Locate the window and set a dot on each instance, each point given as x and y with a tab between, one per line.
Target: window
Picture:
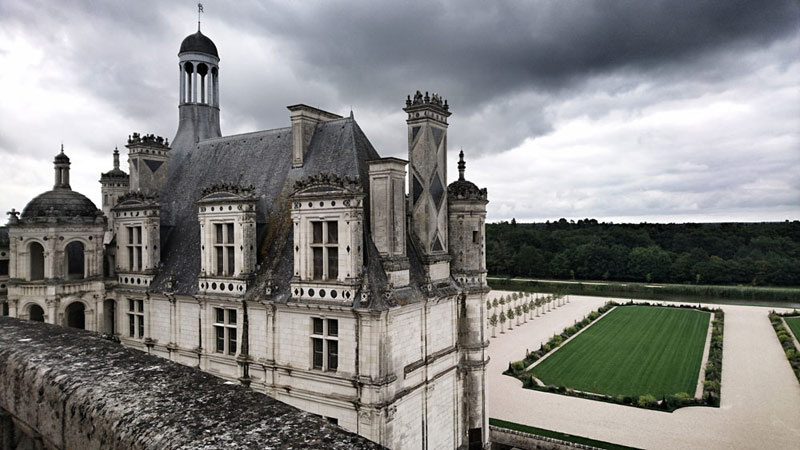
324	344
325	250
225	331
476	237
3	268
136	318
224	249
134	248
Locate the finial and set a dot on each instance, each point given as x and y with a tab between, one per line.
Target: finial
199	10
62	147
461	165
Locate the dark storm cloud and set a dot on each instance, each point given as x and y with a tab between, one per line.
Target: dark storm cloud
478	53
592	94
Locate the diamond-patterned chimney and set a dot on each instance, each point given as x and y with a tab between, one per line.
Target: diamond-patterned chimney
427	155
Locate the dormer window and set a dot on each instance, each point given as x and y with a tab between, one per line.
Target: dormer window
327	217
225	250
227	216
325	249
134	248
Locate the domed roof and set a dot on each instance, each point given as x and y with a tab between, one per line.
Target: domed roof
198	43
61	157
64	204
462	189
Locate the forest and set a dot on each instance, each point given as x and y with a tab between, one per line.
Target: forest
757	254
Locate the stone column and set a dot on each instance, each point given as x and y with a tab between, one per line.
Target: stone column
182	73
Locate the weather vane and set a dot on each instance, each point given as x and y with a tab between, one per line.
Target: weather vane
199	10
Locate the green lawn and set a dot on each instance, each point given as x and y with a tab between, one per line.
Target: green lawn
632	351
794	324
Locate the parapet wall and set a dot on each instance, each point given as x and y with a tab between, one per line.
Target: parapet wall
76	390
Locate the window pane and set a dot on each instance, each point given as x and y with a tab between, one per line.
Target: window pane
317	263
4	268
140	305
220	260
232	316
138	258
232	341
333	232
141	325
333	355
130	258
230	233
130	305
317	326
333	263
138	235
218	227
333	327
317	353
220	315
220	339
130	235
231	260
131	325
317	226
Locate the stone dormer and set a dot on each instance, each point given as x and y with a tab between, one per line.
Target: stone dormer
138	238
227	215
328	217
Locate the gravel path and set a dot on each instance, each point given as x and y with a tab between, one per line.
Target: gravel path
760	394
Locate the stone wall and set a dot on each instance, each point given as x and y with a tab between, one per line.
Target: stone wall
76	390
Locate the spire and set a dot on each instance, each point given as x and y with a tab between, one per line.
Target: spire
116	158
199	11
461	165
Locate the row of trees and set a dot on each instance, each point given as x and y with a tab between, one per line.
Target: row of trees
520	306
760	254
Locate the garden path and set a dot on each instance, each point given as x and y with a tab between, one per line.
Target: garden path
760	394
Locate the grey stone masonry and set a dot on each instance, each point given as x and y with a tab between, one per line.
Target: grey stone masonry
73	389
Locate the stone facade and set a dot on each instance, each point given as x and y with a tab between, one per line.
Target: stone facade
288	260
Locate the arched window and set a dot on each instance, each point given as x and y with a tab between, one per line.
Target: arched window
36	313
74	252
75	316
37	261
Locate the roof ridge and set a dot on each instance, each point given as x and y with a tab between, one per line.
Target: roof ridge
241	135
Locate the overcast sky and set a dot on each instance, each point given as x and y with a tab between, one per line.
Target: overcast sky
624	111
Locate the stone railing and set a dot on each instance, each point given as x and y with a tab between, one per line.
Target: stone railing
63	388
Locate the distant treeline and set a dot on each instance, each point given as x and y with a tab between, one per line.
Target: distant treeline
759	254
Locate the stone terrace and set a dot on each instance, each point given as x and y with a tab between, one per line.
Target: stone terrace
77	390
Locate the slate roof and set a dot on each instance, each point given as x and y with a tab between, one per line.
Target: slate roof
261	159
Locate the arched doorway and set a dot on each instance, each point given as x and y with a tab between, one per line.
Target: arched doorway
37	261
36	313
74	253
109	316
76	317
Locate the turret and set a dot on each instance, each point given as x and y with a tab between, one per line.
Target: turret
467	227
114	184
198	97
427	155
61	165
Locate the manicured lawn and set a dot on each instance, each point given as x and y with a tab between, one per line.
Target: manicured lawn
794	324
632	351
